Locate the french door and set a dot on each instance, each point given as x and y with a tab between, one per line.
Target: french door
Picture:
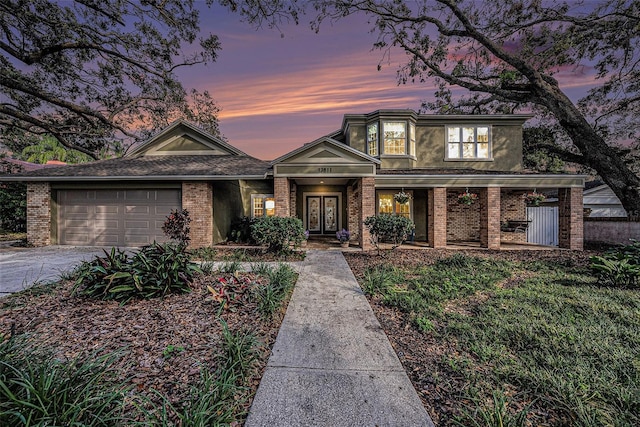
323	214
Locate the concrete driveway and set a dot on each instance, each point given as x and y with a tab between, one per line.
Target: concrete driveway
22	267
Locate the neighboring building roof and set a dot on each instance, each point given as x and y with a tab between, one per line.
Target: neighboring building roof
156	168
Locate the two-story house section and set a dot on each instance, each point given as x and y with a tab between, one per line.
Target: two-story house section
338	180
463	176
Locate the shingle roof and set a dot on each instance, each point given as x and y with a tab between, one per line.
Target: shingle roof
451	171
159	166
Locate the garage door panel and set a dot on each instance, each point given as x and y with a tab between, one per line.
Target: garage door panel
114	218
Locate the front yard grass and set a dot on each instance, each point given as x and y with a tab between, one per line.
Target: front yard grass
519	339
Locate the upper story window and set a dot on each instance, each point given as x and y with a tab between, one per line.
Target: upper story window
395	138
372	139
468	142
262	205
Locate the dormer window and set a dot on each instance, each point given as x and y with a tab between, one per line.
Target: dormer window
391	138
468	142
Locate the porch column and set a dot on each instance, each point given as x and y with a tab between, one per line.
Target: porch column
197	198
571	233
490	217
353	211
437	217
282	196
367	203
293	199
39	213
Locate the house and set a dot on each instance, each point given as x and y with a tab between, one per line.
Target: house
331	183
600	201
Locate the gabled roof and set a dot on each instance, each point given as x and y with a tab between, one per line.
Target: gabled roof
184	138
325	149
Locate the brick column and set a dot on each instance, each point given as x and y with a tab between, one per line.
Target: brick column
367	206
282	196
437	217
197	198
353	211
39	213
490	217
293	199
571	233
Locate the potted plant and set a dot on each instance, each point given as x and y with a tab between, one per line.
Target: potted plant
401	197
534	198
467	198
343	236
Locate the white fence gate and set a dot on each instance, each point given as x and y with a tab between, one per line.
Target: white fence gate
543	225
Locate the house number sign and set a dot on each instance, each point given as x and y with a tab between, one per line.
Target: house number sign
324	170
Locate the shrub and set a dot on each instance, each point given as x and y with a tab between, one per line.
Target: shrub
241	230
278	233
389	228
154	271
37	389
619	267
176	226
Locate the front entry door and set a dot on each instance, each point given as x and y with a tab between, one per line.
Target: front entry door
322	214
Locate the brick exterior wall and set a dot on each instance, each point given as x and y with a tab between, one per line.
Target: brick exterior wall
367	206
197	198
437	217
353	211
512	206
293	199
39	213
490	217
570	212
463	221
282	195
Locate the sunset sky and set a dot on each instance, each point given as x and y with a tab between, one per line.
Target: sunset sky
278	93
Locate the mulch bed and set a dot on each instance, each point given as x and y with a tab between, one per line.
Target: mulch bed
186	328
421	355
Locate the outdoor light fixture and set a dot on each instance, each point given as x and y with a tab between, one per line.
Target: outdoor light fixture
270	204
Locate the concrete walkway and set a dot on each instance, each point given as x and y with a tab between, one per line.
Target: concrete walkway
332	364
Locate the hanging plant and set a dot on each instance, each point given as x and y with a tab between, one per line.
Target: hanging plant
534	198
467	198
401	197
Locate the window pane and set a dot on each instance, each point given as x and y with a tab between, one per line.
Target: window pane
483	134
453	135
412	139
468	134
403	209
270	206
258	204
372	139
483	150
454	151
468	150
395	137
385	203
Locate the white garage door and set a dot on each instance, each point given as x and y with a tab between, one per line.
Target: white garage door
114	217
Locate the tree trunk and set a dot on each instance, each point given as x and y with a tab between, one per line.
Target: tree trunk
595	151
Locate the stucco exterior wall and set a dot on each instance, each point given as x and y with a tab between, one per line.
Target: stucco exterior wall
616	232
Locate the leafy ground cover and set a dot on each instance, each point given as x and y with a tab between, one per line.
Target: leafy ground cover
6	236
190	359
243	253
513	338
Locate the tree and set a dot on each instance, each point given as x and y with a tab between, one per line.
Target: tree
50	149
92	72
509	53
539	159
13	199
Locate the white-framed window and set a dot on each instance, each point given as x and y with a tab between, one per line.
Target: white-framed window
468	142
387	205
372	139
412	139
395	138
262	205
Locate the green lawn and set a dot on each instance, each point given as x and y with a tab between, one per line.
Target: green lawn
529	343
